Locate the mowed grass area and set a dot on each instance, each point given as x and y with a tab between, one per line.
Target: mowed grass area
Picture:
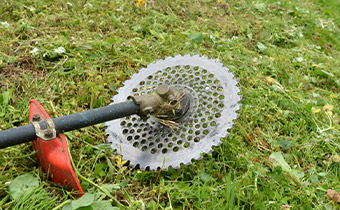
283	152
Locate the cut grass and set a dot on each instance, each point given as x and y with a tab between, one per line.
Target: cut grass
296	44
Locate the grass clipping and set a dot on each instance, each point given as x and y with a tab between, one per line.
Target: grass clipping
166	112
26	193
37	198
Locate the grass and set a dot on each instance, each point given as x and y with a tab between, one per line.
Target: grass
70	55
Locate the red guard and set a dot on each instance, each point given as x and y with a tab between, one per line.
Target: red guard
53	154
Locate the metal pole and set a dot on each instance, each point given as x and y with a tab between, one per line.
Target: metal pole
75	121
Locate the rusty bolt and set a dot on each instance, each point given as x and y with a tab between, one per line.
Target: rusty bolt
36	117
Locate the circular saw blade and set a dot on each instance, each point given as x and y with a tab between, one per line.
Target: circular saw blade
214	97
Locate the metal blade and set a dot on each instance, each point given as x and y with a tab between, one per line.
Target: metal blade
214	99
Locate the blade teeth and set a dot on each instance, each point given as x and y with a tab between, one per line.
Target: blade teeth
125	82
134	165
179	56
187	163
176	166
151	64
237	109
238	90
211	150
108	138
167	58
195	56
142	70
232	126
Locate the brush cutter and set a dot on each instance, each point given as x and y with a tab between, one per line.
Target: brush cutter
165	115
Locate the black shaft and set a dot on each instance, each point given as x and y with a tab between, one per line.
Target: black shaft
75	121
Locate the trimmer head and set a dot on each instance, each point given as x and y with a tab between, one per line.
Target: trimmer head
157	143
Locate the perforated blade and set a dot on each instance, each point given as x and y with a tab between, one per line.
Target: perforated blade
214	102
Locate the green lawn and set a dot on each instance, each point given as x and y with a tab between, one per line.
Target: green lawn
283	151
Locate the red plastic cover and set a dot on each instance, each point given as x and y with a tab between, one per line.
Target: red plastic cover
53	155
